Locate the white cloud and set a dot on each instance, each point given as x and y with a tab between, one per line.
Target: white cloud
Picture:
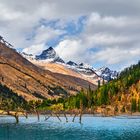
44	34
109	40
70	50
8	14
34	49
112	28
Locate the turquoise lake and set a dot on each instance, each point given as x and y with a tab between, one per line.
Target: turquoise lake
92	128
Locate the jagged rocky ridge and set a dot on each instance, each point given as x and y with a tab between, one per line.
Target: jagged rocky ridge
49	54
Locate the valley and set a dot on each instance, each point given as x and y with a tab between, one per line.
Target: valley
36	84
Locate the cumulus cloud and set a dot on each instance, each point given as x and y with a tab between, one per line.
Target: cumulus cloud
34	49
40	37
109	34
106	39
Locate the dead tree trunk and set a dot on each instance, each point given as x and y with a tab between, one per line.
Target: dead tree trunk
65	116
81	111
74	117
17	118
38	116
26	115
46	118
58	117
14	115
80	117
48	115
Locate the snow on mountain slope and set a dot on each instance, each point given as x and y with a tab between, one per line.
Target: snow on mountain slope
49	54
64	69
32	82
106	73
50	60
83	68
71	63
28	56
89	71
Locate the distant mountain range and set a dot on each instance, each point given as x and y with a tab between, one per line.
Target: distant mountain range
50	56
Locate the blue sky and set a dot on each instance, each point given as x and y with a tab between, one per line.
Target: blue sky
100	32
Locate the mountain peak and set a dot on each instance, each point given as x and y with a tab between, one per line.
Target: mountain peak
71	63
85	65
49	54
50	48
106	73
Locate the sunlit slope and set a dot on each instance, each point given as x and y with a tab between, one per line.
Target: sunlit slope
32	82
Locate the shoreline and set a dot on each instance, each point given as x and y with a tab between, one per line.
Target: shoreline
137	114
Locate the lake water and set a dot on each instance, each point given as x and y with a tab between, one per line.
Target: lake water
92	128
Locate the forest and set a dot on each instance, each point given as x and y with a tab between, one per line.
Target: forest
125	90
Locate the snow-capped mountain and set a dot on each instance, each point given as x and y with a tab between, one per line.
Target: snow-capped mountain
71	63
85	70
49	54
82	68
28	56
106	73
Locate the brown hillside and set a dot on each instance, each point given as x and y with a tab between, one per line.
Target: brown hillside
62	69
33	82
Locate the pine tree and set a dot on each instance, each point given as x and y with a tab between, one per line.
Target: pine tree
133	105
139	105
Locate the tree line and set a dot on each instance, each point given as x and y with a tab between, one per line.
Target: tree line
110	93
